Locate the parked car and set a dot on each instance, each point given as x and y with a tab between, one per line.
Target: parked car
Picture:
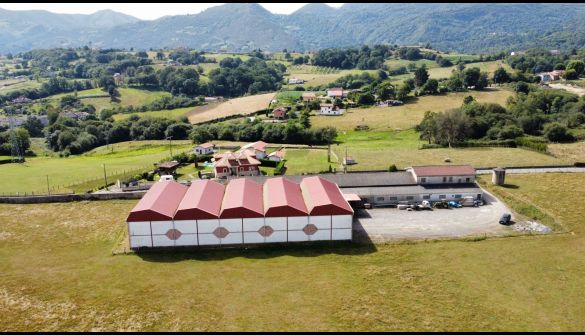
455	204
505	219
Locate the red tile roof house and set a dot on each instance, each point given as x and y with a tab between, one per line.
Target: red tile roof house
240	163
280	113
309	96
336	92
204	149
259	149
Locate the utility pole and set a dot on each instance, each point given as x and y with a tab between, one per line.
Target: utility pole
170	138
105	177
48	188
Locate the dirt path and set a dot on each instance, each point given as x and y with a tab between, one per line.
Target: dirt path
570	88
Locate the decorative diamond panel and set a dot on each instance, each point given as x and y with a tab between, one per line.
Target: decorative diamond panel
310	229
221	232
266	231
173	234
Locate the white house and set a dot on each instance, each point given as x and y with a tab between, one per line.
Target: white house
296	81
443	174
276	156
204	149
258	148
330	109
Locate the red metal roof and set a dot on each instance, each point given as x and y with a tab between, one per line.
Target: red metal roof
323	197
242	199
201	201
283	197
159	203
443	170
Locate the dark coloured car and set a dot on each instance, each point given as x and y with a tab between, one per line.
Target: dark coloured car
505	219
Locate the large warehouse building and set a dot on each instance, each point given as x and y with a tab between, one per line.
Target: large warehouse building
243	212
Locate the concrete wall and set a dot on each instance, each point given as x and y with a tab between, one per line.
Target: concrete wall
449	180
38	199
240	231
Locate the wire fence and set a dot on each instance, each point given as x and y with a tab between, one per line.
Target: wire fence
83	185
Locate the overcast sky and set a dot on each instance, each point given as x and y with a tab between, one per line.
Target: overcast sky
145	11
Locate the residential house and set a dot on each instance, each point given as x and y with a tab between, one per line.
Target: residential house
239	164
173	63
280	113
204	149
213	99
336	92
258	149
309	96
295	81
276	156
330	109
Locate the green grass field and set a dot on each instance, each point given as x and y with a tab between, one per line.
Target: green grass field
318	76
29	84
58	273
489	67
31	176
379	150
176	113
128	97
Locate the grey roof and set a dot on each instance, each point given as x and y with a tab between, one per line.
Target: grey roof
358	179
413	189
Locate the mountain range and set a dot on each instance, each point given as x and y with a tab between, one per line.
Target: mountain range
243	27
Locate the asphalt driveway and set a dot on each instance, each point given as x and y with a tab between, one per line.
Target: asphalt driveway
381	224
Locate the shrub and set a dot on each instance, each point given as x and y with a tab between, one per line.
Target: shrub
279	167
392	168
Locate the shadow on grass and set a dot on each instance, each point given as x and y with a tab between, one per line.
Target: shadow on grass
263	251
510	186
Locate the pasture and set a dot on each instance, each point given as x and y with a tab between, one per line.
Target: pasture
176	113
59	275
65	173
378	150
408	115
489	67
244	105
128	97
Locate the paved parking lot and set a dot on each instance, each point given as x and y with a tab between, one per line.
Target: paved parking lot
390	223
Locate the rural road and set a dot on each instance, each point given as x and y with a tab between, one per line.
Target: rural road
536	170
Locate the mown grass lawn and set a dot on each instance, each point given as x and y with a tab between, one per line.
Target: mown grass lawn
119	157
58	273
378	150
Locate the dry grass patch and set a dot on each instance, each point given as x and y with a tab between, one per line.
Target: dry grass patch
572	152
244	105
408	115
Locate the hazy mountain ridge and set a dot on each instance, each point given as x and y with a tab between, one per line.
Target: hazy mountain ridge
242	27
